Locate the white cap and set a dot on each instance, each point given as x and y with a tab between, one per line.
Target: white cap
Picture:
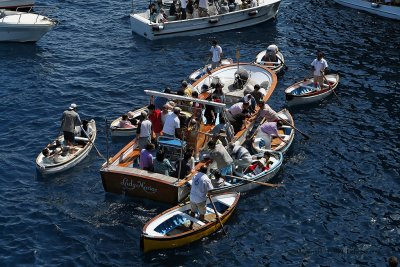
73	106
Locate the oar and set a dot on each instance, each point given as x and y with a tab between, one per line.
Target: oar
333	90
291	125
90	141
256	182
216	214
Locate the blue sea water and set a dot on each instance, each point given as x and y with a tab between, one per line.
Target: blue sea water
339	205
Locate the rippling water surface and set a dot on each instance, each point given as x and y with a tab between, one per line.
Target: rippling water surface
339	205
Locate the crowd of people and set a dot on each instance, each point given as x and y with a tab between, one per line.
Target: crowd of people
191	9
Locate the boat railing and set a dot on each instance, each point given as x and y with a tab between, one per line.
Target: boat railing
45	11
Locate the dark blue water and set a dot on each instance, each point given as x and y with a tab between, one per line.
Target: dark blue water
340	202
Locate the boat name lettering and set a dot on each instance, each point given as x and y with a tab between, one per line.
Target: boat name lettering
131	184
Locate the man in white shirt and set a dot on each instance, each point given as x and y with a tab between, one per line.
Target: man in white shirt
216	54
318	66
183	8
172	123
201	184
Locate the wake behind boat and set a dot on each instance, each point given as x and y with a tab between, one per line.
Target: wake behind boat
176	227
215	21
380	9
18	26
304	92
60	158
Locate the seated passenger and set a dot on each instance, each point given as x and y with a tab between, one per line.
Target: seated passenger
161	17
224	8
173	11
61	154
272	54
132	119
244	5
269	129
182	167
253	3
151	13
125	123
47	158
218	181
161	164
146	157
196	12
189	9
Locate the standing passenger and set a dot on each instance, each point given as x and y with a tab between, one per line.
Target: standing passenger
155	118
219	154
216	54
144	131
318	66
69	120
172	124
201	184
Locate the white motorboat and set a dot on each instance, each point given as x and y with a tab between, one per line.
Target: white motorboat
18	26
238	79
214	22
380	9
57	162
14	4
117	131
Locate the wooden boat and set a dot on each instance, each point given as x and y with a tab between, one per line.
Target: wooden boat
304	92
118	131
14	4
53	165
238	185
171	228
18	26
380	9
121	175
278	67
214	22
202	71
287	133
237	79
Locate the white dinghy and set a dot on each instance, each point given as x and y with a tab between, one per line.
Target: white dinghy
18	26
117	131
61	160
215	21
238	79
265	58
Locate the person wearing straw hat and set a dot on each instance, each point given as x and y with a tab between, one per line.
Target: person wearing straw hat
69	120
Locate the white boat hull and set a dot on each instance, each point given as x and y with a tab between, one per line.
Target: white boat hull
392	12
267	10
24	27
277	68
294	100
73	159
13	4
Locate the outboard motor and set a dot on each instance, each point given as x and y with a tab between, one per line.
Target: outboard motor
241	77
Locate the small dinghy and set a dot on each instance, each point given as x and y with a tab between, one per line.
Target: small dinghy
253	177
62	158
176	227
286	132
277	66
200	72
117	131
304	92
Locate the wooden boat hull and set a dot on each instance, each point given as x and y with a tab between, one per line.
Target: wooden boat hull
302	93
244	186
267	9
151	242
278	145
77	158
277	68
391	12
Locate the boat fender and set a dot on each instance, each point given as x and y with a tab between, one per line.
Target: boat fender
158	27
376	5
253	13
213	20
289	97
